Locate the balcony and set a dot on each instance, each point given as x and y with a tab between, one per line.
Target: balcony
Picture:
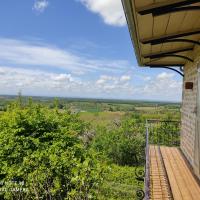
168	175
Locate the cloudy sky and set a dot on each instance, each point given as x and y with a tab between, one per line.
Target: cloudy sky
75	48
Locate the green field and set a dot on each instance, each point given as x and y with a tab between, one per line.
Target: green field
101	118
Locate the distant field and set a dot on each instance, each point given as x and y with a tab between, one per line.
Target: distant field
148	108
101	118
102	111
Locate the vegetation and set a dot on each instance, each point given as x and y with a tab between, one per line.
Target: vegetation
99	105
165	133
123	145
41	148
102	118
75	149
119	184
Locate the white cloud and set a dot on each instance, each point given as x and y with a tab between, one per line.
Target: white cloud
164	87
63	77
38	82
110	10
31	54
146	78
115	79
40	5
2	71
125	78
41	69
15	79
114	84
165	76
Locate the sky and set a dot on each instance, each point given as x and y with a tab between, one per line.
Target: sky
75	48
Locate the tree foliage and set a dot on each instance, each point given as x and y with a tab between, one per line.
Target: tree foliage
42	149
123	145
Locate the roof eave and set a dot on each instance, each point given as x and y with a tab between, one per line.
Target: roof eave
132	28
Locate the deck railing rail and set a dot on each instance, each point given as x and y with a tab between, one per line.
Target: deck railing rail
163	132
147	174
159	132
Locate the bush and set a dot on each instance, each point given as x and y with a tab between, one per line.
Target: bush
124	145
120	183
42	156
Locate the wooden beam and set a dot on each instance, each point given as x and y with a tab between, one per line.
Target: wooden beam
154	55
165	65
162	11
175	40
170	36
171	55
164	5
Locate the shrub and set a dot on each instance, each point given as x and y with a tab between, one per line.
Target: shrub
124	145
120	183
43	157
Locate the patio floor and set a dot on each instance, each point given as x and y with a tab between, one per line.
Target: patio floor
170	175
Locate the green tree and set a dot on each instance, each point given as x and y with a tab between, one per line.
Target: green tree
123	145
41	148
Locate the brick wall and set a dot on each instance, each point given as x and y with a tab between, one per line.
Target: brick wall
189	108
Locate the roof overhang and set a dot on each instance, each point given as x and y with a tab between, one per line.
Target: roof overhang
163	32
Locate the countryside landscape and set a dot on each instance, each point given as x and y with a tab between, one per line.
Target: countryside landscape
100	100
70	148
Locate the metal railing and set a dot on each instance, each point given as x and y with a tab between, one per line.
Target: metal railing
159	132
163	132
147	174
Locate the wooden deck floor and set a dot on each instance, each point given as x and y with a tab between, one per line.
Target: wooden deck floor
170	176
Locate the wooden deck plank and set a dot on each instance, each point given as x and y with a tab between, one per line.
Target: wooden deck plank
187	191
158	184
190	180
182	182
178	178
171	176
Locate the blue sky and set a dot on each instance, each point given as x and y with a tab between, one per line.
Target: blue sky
75	48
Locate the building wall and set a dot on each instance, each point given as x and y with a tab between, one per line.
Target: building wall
189	109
